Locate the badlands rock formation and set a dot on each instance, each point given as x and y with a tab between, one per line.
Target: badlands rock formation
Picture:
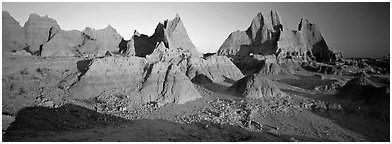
255	86
62	43
13	34
171	32
89	42
97	42
140	81
42	36
37	31
268	34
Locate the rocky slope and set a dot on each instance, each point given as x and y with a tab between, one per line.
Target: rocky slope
255	86
137	80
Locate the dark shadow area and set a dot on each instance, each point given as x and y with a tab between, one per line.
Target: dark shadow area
35	121
218	88
207	55
317	96
60	124
123	46
201	79
229	80
82	66
307	82
373	129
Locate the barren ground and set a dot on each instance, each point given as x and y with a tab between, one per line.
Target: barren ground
35	96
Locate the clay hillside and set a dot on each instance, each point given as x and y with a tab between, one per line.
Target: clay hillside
266	83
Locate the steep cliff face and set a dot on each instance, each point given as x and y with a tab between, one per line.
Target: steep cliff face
13	34
62	44
36	31
269	35
171	32
307	42
260	37
98	42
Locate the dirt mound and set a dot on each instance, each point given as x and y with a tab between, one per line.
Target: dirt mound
373	99
138	80
362	88
37	120
216	68
13	34
255	86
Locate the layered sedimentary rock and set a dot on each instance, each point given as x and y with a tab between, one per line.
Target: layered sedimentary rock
306	42
89	42
255	86
62	43
267	65
13	34
141	81
98	42
171	32
269	35
165	83
260	37
37	30
216	68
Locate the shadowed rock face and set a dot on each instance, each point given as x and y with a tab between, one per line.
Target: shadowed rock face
255	86
37	29
268	34
13	34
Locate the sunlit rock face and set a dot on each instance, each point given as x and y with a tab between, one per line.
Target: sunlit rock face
269	35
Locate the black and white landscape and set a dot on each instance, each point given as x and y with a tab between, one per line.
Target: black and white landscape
266	82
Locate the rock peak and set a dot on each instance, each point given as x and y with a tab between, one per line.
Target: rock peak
177	16
109	27
136	33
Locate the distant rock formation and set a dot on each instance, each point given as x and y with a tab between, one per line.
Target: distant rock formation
269	35
37	30
62	43
171	32
13	34
42	36
255	86
142	82
98	42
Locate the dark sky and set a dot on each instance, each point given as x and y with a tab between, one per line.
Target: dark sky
356	29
